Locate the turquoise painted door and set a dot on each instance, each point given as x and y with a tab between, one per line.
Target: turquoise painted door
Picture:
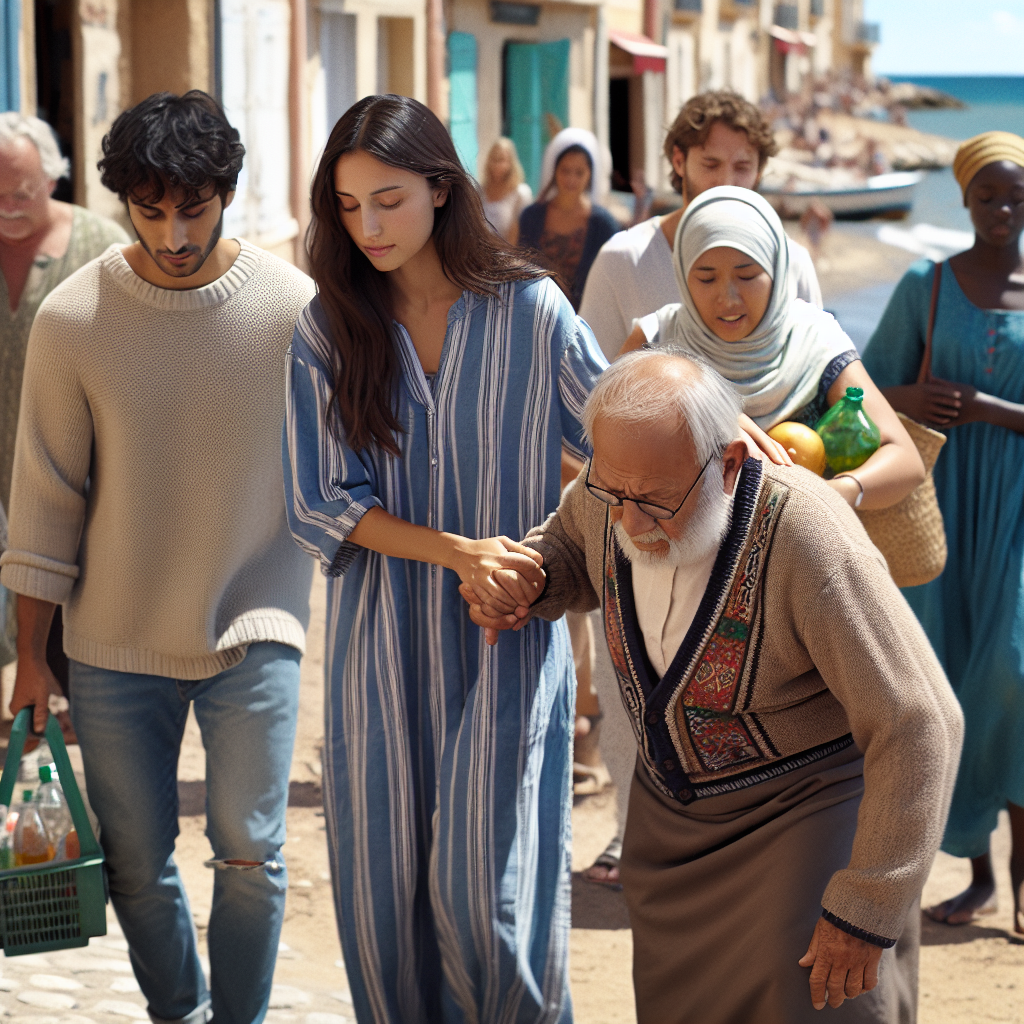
462	101
10	23
536	85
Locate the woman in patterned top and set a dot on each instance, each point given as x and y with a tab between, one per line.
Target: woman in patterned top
431	386
566	226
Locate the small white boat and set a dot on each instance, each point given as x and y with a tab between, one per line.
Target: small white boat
880	195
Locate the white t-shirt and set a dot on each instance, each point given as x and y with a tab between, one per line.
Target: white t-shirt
503	213
633	275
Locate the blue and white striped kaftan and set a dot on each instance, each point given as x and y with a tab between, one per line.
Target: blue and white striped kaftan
447	762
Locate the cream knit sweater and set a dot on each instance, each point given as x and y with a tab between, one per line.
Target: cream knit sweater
147	495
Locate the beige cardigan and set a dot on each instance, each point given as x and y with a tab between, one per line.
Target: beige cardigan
801	640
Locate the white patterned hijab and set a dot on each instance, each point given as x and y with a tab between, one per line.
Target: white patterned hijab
777	368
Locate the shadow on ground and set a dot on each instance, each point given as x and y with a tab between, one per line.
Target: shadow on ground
192	797
597	906
935	934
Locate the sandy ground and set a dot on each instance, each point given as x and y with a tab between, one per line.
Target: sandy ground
969	975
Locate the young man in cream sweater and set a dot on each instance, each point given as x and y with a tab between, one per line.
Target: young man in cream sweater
147	501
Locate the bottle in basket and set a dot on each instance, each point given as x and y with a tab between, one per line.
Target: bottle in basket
7	838
52	807
31	843
850	436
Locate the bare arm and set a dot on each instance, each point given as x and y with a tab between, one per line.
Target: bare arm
473	560
636	340
35	684
943	403
896	468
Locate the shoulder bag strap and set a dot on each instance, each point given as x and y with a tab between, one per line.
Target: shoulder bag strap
925	373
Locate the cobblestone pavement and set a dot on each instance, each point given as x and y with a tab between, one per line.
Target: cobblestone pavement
95	985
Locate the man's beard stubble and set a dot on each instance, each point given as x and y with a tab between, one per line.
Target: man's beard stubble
215	236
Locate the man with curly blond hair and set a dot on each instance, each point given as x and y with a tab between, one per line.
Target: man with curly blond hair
718	138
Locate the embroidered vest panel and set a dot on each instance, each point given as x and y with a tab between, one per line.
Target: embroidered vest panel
693	736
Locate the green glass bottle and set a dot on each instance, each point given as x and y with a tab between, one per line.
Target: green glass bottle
849	435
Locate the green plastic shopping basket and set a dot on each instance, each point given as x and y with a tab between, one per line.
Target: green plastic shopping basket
59	904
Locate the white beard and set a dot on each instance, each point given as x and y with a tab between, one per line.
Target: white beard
704	533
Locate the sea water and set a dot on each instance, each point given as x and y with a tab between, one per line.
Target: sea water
994	103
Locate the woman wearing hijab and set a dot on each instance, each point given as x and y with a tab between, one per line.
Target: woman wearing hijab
974	612
566	225
789	360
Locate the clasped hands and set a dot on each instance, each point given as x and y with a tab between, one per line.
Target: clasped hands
500	580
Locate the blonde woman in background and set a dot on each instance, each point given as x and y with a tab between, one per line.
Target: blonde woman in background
504	191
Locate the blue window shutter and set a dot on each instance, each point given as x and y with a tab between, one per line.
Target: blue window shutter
554	82
536	84
524	108
10	86
462	102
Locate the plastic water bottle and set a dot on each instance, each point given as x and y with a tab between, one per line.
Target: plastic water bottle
28	769
31	843
6	840
52	806
849	435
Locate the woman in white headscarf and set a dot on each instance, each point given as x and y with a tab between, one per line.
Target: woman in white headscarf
566	225
788	359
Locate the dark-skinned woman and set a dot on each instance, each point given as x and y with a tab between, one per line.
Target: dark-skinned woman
974	612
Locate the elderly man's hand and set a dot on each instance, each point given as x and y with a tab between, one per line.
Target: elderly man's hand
510	607
491	619
842	966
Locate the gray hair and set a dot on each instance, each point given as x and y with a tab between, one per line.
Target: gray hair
16	126
631	391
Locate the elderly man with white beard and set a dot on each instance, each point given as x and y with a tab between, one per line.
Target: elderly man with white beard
797	740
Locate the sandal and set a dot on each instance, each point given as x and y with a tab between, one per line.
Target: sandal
608	862
589	780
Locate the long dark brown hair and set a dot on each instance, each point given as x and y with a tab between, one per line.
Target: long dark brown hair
355	296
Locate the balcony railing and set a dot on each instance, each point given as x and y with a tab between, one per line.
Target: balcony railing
787	16
869	32
689	6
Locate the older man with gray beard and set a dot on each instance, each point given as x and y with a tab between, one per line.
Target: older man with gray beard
797	740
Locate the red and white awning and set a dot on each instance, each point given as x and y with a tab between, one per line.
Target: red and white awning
787	39
646	53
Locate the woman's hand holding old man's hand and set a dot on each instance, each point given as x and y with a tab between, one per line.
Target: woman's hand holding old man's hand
505	602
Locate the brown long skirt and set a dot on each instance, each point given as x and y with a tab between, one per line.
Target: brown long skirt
724	895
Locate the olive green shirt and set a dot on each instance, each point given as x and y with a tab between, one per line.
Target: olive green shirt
91	235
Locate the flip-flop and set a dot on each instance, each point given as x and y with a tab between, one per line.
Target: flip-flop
589	780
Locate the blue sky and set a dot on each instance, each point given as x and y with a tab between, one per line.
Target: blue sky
948	37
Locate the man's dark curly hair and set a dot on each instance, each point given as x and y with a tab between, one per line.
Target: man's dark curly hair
167	141
700	114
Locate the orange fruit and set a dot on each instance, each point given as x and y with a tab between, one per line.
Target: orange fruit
805	447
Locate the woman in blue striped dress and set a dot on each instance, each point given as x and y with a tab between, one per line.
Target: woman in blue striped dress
431	386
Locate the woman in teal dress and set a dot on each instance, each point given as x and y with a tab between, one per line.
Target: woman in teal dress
974	612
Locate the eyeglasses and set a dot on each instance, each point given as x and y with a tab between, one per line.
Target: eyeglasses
647	507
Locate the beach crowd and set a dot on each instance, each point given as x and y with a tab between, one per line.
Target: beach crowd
483	416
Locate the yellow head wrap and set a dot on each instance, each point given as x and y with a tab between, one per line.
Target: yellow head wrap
982	150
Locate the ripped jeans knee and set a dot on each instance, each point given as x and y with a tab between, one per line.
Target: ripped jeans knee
273	865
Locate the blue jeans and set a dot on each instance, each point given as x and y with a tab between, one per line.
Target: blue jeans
130	727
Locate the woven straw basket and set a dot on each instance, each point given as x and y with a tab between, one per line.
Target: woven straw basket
910	534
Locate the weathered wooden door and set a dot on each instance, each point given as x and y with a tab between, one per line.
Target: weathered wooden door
536	86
